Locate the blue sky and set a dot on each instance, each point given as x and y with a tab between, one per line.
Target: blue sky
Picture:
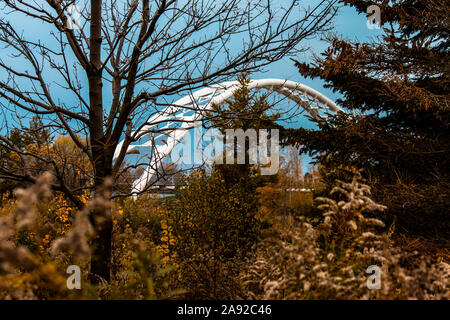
347	24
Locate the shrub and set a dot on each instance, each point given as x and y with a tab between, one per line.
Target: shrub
214	224
36	248
330	261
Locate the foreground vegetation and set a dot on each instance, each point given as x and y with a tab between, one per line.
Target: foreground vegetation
213	241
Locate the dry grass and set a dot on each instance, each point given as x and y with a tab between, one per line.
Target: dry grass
300	258
330	261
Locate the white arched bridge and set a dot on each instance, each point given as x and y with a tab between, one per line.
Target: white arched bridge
164	130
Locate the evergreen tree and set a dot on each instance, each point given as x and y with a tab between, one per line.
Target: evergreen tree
397	92
243	111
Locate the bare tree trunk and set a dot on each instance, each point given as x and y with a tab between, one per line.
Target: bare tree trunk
102	163
101	218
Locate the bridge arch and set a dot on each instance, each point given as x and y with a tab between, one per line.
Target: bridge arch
191	108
